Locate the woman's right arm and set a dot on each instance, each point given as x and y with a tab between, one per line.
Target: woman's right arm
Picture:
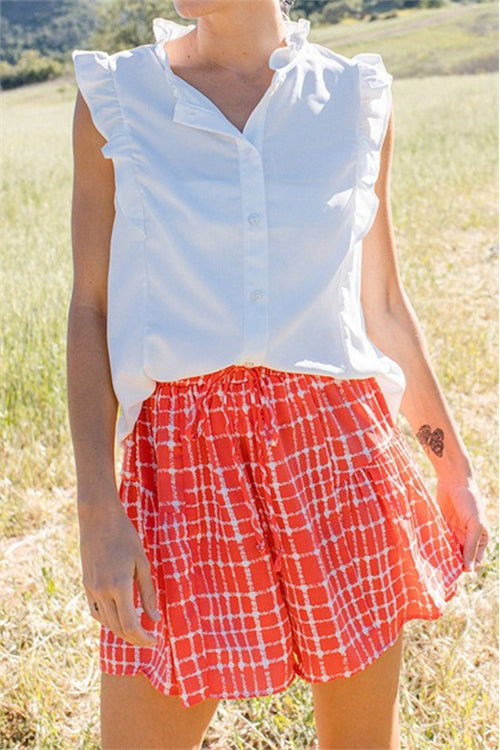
111	551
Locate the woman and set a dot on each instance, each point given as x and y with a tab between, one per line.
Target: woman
270	520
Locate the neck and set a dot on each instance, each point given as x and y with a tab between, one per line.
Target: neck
239	37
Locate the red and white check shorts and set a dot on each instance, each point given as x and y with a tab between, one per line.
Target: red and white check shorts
289	532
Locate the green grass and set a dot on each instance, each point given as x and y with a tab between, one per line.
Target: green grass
36	261
444	203
454	39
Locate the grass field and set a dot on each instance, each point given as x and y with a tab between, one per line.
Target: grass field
444	196
457	38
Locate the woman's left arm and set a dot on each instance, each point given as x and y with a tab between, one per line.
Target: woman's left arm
392	325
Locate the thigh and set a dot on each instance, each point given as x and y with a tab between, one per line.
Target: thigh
136	715
361	711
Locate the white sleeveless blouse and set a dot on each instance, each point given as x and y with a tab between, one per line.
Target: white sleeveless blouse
234	247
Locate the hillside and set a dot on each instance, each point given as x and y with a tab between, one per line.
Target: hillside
456	39
51	27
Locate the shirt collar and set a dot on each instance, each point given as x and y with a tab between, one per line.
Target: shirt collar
282	58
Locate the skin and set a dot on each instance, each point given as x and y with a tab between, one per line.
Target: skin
226	58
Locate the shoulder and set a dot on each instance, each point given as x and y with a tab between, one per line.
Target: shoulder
366	67
103	78
102	61
330	58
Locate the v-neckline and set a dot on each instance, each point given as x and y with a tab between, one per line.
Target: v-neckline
204	99
281	60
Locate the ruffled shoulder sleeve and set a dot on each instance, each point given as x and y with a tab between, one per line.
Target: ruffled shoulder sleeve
375	85
375	105
94	76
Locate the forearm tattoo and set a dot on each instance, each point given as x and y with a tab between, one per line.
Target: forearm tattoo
433	439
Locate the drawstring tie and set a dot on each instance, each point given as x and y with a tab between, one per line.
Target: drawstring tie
198	422
200	410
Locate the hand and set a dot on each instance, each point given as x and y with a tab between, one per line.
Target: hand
461	505
112	556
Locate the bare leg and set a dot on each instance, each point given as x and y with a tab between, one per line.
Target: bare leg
136	716
361	712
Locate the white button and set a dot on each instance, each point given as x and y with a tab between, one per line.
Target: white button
256	295
248	364
253	219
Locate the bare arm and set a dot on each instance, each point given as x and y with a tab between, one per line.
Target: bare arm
111	551
91	399
392	325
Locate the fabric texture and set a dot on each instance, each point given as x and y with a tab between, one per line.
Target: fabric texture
234	247
289	531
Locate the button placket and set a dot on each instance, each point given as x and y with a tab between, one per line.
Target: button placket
255	239
256	295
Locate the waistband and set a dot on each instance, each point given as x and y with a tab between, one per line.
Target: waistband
239	373
233	374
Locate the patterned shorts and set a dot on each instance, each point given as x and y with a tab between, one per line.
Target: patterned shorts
288	528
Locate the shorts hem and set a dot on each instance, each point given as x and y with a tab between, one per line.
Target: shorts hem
136	670
400	622
297	670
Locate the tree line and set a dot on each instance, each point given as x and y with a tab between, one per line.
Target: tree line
38	35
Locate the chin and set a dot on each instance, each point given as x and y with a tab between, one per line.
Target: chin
196	8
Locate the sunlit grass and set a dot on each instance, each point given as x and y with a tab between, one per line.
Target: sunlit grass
457	38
